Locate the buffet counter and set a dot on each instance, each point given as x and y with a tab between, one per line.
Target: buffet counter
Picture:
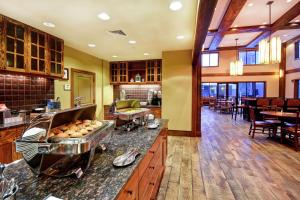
101	180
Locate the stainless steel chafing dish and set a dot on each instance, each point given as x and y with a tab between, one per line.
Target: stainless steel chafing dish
61	156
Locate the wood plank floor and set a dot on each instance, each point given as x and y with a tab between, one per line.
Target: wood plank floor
227	164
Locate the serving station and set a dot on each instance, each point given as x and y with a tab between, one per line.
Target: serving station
82	169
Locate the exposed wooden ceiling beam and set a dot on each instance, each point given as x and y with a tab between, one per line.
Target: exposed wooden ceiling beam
277	25
233	9
255	28
205	13
294	39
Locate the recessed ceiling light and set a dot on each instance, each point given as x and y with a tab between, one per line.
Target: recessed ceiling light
175	5
262	26
297	20
146	54
131	41
285	35
293	24
234	29
288	1
114	56
235	25
92	45
250	4
49	24
264	22
104	16
180	37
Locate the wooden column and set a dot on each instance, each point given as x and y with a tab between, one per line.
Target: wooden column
282	68
205	13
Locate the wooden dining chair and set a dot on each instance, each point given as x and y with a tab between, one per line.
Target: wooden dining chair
258	125
293	133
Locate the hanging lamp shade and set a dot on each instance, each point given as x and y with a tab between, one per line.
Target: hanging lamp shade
270	51
236	68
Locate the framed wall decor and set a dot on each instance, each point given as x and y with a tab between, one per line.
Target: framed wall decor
66	74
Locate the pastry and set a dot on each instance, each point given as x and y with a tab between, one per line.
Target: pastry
89	128
73	127
63	135
69	132
78	122
80	126
56	131
63	127
76	135
84	131
87	121
51	134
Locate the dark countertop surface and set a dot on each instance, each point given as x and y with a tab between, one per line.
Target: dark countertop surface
101	181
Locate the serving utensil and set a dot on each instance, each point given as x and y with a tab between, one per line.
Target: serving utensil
126	159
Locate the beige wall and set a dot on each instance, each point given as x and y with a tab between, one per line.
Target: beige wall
80	60
177	89
291	63
225	57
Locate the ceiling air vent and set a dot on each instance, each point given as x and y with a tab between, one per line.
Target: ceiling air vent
118	32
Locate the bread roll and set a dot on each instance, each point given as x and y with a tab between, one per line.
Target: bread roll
63	135
89	128
84	131
76	135
78	122
63	127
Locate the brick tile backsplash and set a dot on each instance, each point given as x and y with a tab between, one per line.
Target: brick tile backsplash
25	92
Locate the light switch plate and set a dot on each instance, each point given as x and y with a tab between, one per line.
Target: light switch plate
67	87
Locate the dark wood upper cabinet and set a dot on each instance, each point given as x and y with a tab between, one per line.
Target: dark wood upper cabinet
124	71
14	46
56	56
26	49
37	51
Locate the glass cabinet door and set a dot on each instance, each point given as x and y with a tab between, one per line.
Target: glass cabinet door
15	46
56	56
150	70
114	72
37	51
158	71
123	71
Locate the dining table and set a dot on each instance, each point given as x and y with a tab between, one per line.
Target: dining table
280	115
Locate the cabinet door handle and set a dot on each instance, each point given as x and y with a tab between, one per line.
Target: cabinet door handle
151	183
151	167
151	151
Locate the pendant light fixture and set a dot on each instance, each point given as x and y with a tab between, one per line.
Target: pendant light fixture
270	49
237	66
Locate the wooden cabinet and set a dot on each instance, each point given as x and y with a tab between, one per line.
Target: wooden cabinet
153	71
14	45
149	70
28	50
56	47
156	111
8	152
37	51
145	180
119	72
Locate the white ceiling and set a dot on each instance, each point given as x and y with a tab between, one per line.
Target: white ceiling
249	16
259	12
297	19
150	23
243	39
286	35
219	13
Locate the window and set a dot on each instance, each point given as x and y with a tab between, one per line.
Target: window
251	89
238	89
209	89
297	50
250	57
210	59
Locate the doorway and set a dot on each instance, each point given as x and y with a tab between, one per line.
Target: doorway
82	86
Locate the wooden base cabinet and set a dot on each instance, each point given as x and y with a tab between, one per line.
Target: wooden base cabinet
145	180
8	152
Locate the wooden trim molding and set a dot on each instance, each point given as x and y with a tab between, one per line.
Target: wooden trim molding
179	133
291	71
245	74
282	67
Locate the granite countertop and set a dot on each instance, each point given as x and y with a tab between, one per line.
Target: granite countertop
101	180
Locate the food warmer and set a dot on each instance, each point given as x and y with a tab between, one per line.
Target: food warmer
56	156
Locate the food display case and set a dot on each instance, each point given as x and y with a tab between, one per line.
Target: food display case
63	143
